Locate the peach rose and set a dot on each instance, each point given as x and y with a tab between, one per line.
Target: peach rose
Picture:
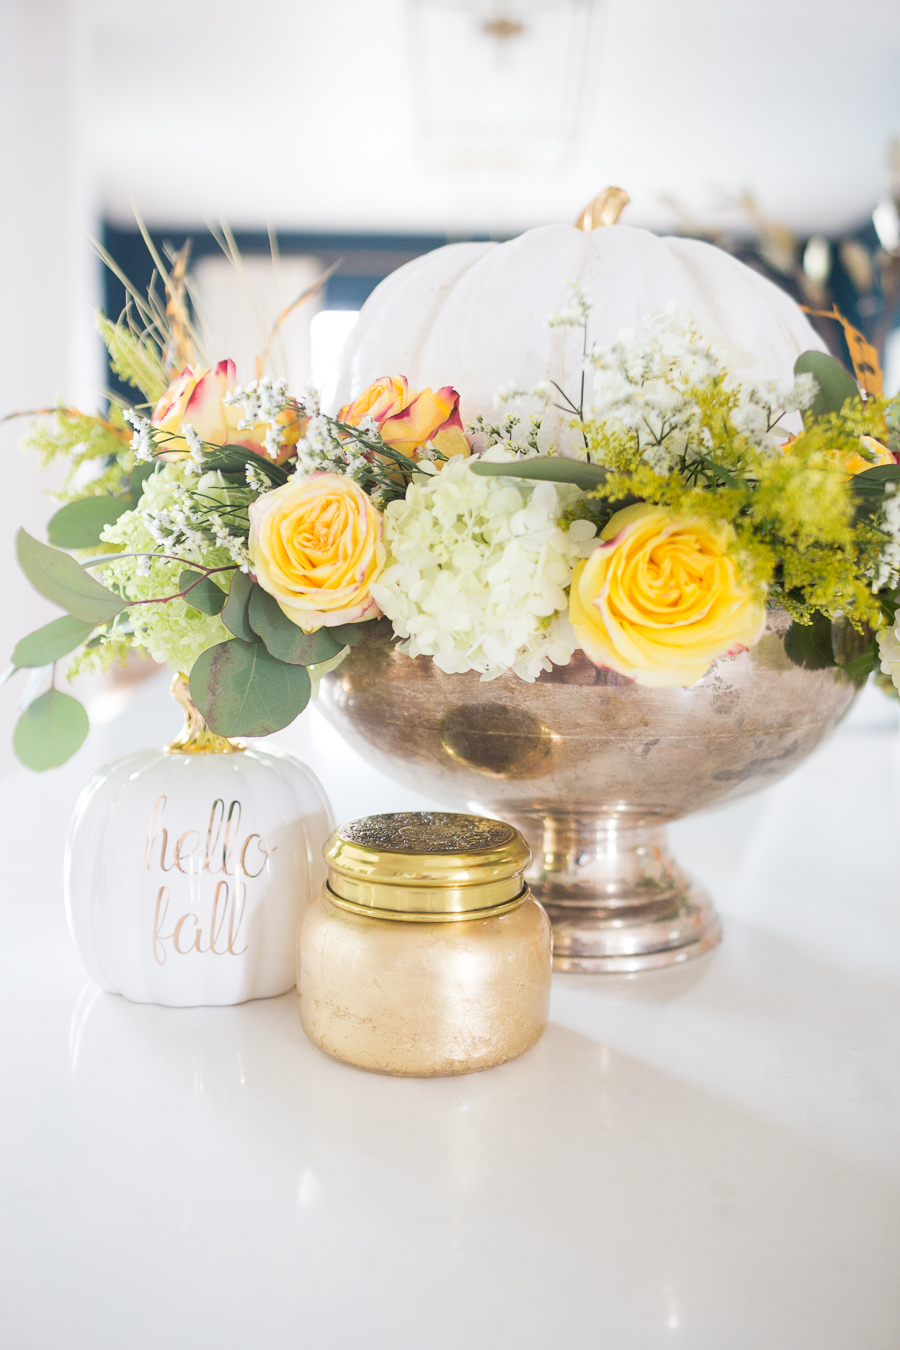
407	420
659	599
316	546
382	399
195	398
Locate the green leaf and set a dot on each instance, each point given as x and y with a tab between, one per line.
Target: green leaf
234	613
876	477
890	603
80	524
836	384
284	639
49	643
242	690
721	473
868	488
50	730
59	578
371	633
204	594
551	469
235	458
138	477
349	634
809	644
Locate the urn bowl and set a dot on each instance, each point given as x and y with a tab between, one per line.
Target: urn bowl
591	766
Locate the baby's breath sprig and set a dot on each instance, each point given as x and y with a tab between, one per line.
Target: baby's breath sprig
357	452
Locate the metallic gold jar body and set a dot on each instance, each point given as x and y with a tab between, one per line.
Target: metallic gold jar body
423	999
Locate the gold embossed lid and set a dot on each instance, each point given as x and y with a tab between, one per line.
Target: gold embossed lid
427	865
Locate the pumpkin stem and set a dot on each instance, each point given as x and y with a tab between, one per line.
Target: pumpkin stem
196	737
603	210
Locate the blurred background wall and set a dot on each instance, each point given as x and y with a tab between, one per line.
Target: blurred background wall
361	133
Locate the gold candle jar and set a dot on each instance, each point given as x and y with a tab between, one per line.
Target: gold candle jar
425	953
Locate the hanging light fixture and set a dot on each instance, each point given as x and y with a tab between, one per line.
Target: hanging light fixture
519	73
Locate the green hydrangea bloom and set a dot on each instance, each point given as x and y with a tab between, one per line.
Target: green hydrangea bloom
173	633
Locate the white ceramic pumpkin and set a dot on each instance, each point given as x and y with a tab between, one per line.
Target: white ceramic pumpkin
474	315
187	873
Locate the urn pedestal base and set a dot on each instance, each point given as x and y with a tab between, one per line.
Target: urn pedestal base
591	767
617	901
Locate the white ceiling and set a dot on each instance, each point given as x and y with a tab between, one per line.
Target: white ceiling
320	114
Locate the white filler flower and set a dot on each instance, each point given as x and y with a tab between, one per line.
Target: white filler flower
477	570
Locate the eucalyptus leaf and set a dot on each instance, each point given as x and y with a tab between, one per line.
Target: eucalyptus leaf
50	730
284	639
204	594
809	644
877	476
350	634
234	612
868	488
835	383
550	469
61	579
49	643
80	524
242	690
372	633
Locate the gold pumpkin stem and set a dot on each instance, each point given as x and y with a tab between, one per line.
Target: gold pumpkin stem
603	210
196	737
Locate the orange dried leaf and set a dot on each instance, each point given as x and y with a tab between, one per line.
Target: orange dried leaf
862	353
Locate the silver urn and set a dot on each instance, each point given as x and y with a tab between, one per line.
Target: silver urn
591	767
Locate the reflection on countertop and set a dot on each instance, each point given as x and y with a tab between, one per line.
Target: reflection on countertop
704	1156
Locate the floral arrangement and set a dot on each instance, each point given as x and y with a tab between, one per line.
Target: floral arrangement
247	539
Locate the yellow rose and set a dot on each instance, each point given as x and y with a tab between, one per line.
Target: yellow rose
879	453
316	546
195	398
852	461
659	600
407	420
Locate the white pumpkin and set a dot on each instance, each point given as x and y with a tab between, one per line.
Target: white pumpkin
186	874
474	315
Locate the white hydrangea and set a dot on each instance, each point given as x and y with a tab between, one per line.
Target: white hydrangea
477	571
889	651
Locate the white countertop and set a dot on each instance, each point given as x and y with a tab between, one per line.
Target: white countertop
706	1158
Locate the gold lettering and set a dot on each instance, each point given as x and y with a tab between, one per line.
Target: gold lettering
225	853
240	893
154	832
158	920
215	930
182	854
264	849
231	832
212	839
176	934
